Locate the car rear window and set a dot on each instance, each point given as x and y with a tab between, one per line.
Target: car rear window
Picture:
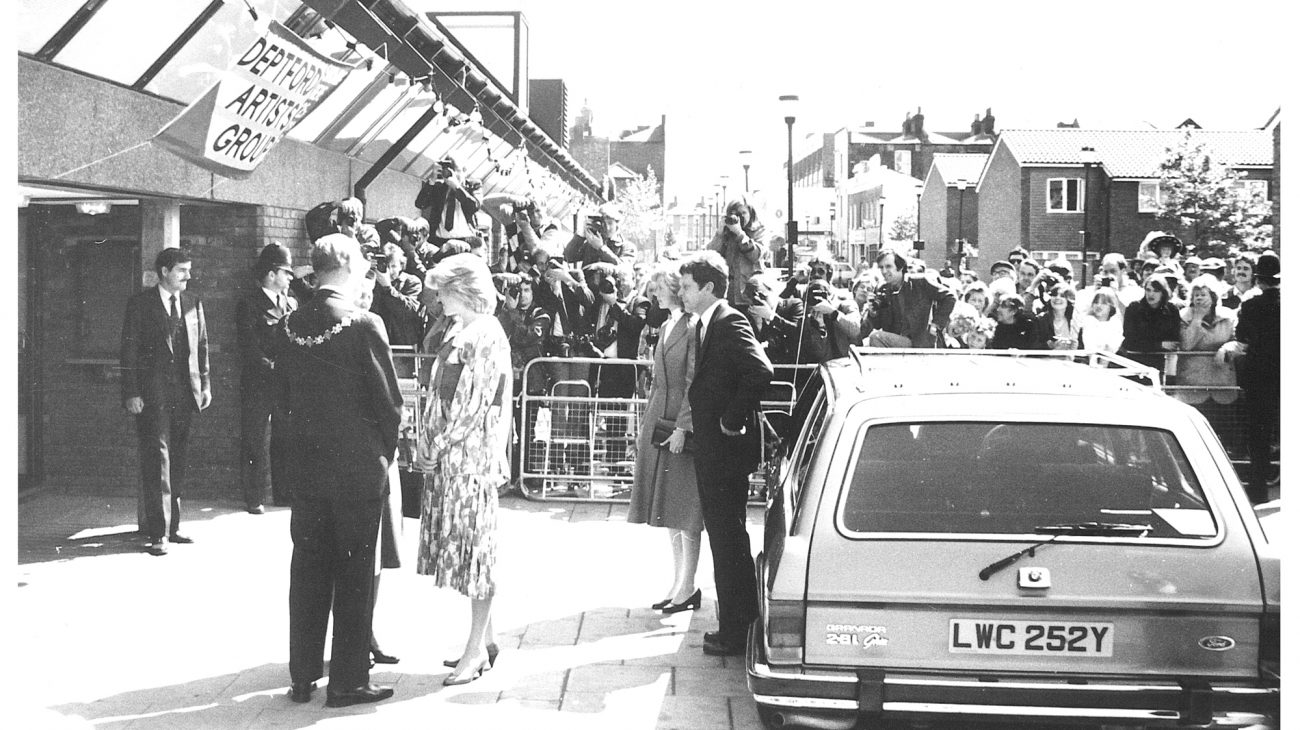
1016	478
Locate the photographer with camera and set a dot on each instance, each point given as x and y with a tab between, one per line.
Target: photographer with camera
450	202
741	241
397	302
908	310
618	320
526	229
600	240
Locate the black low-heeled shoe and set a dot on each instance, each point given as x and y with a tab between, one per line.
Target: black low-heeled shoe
492	651
379	657
690	604
660	604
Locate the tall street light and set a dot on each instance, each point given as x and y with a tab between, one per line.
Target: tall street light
745	156
961	224
790	103
723	182
919	244
1088	156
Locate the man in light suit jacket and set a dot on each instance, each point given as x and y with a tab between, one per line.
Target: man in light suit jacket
335	379
257	318
164	360
731	374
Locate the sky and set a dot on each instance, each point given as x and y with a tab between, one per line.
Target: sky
716	68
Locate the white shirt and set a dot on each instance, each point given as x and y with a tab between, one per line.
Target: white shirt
706	317
280	300
167	301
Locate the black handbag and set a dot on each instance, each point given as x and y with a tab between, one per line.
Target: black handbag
664	429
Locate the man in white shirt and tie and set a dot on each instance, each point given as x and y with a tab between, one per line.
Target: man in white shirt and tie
257	316
164	361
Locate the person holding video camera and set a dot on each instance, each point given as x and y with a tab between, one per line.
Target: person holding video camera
908	310
741	240
600	240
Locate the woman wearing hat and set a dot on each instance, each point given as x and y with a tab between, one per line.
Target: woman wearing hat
1166	247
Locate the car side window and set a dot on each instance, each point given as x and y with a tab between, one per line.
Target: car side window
808	439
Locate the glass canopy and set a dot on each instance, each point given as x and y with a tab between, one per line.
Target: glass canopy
189	44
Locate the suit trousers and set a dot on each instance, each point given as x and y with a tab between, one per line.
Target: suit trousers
262	452
163	431
1264	406
724	492
333	569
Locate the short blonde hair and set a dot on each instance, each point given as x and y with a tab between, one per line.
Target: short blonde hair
466	277
669	279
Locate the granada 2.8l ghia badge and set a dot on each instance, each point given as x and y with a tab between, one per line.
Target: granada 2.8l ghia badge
1217	643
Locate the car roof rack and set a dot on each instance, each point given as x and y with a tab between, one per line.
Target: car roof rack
1111	363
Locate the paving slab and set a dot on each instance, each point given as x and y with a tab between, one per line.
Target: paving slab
119	639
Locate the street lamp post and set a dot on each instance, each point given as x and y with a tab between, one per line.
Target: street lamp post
961	224
790	102
919	244
745	155
723	182
1088	156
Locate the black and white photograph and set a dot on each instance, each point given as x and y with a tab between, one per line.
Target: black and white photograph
840	366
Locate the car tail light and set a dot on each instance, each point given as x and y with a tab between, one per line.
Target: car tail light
785	631
1270	643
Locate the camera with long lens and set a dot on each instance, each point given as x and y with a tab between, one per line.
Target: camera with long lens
605	286
731	220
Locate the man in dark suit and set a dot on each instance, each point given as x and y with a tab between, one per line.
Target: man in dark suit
731	374
335	379
397	302
257	317
164	361
1259	342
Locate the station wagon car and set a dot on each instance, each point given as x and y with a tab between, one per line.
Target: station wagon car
1007	538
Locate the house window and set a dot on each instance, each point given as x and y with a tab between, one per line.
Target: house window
903	161
1064	195
1256	189
1149	197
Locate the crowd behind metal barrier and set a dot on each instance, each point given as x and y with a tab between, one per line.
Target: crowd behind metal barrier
577	305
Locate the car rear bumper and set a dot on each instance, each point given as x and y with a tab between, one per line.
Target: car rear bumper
838	697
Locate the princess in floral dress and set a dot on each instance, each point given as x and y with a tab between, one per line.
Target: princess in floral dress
462	451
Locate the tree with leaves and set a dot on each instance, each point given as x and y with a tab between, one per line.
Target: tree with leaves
903	229
1210	202
642	210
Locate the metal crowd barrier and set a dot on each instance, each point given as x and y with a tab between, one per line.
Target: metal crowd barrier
573	445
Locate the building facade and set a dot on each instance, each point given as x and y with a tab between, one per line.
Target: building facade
98	200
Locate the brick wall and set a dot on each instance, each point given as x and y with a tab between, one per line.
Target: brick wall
88	441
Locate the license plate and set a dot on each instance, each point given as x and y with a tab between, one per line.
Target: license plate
1030	638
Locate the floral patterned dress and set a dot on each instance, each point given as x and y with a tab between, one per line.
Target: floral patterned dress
462	452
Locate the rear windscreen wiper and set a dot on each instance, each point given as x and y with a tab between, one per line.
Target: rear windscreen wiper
1071	528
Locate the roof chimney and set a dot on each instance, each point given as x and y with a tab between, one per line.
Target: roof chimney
918	124
986	125
975	126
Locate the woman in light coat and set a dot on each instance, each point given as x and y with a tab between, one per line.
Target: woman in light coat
664	492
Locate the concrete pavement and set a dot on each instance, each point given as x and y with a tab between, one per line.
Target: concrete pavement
109	636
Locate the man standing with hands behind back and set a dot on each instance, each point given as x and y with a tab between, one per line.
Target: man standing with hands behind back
731	374
164	360
335	379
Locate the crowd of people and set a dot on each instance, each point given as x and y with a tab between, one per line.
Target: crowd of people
492	284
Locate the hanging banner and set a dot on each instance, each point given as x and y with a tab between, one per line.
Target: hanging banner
274	84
